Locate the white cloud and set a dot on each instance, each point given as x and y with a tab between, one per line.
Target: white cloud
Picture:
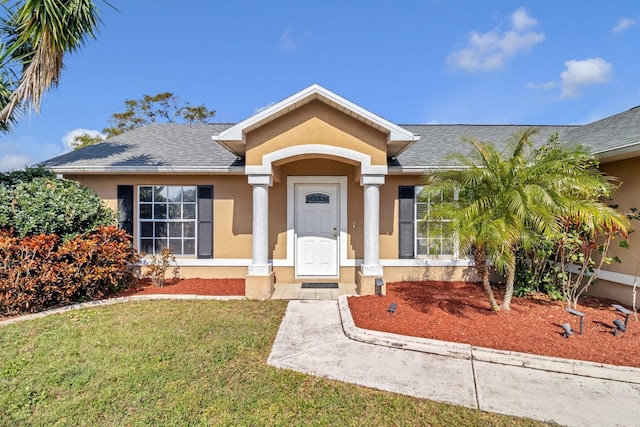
68	137
13	161
623	25
544	86
522	21
490	51
18	151
584	73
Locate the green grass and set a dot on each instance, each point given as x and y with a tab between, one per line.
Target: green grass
183	363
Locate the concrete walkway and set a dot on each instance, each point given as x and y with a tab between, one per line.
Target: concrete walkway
313	339
291	291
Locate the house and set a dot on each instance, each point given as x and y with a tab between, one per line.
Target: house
313	188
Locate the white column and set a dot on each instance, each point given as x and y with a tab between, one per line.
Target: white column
260	265
371	265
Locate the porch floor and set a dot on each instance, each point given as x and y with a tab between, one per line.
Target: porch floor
294	291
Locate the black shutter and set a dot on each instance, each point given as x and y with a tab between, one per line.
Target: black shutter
205	221
125	208
406	196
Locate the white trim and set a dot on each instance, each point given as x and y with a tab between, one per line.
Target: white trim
417	189
428	262
372	179
213	262
110	170
420	170
618	153
260	269
351	262
371	270
313	92
610	276
366	168
341	181
260	180
138	222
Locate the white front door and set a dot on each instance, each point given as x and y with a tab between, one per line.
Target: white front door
317	230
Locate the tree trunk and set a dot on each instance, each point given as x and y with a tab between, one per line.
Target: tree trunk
508	292
483	271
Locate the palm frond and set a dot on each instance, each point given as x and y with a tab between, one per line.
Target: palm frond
42	32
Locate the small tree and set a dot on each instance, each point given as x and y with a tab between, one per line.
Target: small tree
576	269
163	107
159	264
582	248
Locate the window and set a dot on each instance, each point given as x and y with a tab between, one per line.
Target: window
430	239
418	235
168	218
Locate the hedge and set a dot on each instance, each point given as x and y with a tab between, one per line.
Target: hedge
43	271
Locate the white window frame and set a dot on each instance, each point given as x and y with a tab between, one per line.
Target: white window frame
417	220
168	220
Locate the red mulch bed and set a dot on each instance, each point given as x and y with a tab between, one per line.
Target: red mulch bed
215	287
459	312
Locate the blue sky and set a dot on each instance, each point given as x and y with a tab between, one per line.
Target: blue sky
411	62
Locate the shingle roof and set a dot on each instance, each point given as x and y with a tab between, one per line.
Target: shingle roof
157	147
190	148
612	133
438	142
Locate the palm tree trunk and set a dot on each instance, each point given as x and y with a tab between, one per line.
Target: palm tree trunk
508	293
480	258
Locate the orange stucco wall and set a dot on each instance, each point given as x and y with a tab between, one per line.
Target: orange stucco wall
232	205
316	123
627	197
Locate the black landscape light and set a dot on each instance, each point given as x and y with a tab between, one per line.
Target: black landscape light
379	284
620	326
392	307
567	330
624	311
580	315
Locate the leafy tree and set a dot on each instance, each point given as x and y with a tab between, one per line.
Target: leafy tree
12	178
513	199
85	140
165	107
47	205
36	36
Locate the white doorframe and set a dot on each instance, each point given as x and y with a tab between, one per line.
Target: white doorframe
316	230
341	181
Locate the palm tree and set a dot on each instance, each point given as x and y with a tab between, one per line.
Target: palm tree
36	35
509	199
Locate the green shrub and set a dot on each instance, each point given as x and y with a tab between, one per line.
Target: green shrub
38	272
12	178
47	205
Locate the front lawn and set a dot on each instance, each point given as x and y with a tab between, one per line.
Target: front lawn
185	363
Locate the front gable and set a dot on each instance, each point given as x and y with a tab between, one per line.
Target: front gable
311	118
315	124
